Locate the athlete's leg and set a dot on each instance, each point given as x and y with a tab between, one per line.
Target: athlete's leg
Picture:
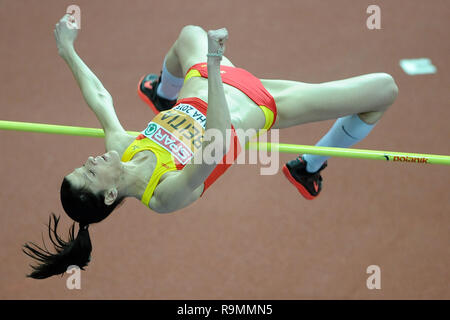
368	96
358	102
190	48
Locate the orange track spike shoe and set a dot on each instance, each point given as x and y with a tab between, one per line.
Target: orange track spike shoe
308	184
147	88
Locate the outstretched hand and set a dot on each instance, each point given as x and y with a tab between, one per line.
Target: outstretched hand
66	31
216	42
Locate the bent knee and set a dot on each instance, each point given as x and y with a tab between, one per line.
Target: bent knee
388	87
189	31
190	38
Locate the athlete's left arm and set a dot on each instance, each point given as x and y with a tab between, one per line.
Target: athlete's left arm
94	93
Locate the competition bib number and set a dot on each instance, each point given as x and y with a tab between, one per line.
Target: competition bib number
178	130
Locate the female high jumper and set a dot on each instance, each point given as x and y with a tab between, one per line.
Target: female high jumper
198	91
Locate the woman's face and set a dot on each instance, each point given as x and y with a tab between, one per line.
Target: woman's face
98	173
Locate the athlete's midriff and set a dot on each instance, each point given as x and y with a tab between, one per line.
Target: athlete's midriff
244	113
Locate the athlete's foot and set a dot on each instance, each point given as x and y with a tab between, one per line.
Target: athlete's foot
308	184
147	90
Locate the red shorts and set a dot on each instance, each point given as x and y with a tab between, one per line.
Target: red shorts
244	81
249	85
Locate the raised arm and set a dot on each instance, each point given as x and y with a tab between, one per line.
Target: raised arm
218	114
217	118
95	95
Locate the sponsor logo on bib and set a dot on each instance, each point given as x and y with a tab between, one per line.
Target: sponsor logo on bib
169	142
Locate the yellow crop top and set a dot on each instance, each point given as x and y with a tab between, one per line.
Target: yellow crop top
165	163
173	136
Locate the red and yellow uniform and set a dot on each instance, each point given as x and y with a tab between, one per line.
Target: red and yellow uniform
175	135
244	81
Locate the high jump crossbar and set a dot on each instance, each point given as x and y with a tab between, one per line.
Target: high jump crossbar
273	147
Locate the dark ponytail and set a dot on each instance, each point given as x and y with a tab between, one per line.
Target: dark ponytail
83	207
76	251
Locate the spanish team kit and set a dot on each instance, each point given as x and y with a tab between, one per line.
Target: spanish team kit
178	130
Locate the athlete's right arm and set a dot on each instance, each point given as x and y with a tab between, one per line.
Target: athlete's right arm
95	95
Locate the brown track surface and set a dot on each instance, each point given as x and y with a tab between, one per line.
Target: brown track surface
251	236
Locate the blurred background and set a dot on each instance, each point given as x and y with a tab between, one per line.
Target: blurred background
250	236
